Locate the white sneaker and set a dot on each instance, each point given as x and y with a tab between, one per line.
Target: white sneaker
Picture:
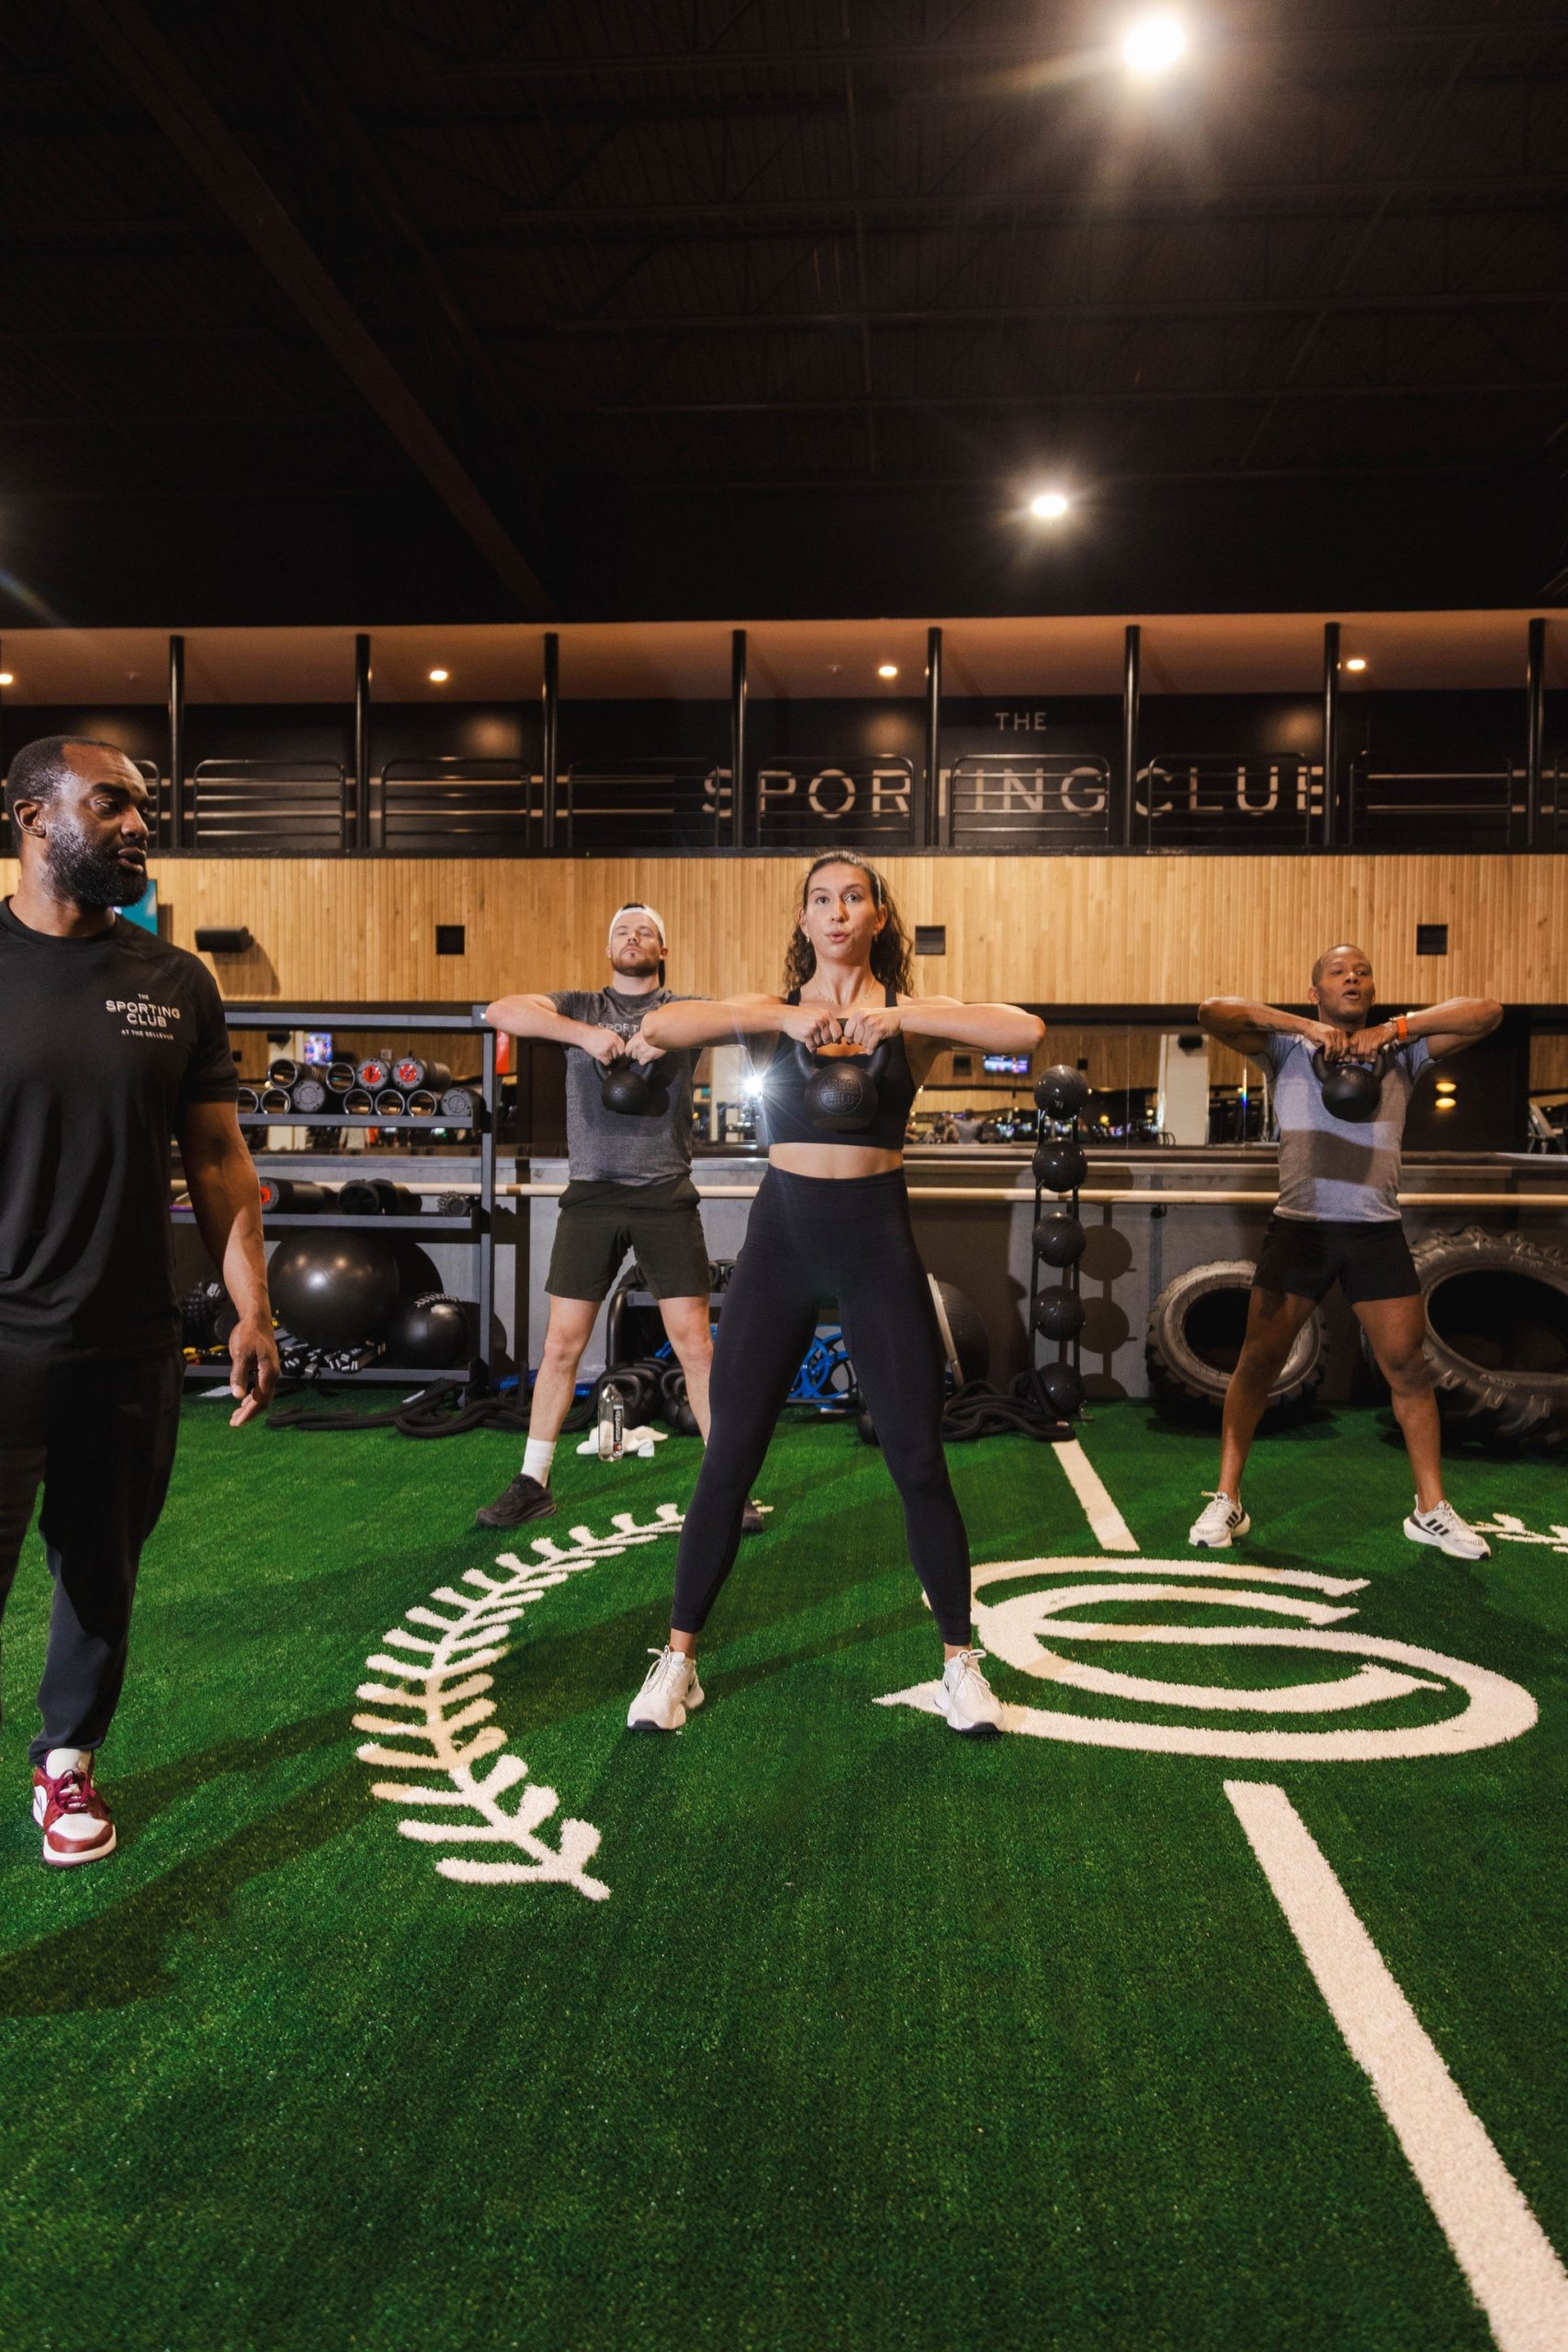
670	1690
1443	1528
1216	1529
966	1698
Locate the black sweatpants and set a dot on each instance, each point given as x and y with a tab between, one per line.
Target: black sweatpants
98	1437
811	1240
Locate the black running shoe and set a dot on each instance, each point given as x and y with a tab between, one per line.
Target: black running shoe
524	1498
751	1520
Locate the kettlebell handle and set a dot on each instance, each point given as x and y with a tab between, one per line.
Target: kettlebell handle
812	1065
1378	1063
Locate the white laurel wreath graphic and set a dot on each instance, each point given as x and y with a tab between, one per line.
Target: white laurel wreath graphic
441	1678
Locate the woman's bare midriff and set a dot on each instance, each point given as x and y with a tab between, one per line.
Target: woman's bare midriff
845	1160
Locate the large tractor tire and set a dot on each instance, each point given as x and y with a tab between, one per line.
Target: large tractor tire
1196	1329
1497	1333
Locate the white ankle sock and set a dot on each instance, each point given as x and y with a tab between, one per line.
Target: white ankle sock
66	1760
537	1455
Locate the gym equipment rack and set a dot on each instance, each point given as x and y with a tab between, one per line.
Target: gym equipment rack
477	1225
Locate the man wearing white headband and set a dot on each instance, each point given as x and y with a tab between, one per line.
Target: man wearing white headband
631	1189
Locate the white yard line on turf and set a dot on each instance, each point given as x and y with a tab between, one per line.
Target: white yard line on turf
1513	2270
1110	1529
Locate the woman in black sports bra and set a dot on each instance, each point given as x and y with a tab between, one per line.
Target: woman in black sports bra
831	1219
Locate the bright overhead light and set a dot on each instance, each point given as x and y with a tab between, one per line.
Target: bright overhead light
1049	506
7	679
1357	661
439	677
887	669
1153	44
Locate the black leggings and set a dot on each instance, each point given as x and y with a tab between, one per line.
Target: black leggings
811	1238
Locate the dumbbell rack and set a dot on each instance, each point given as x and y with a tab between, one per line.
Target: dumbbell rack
1067	1351
477	1225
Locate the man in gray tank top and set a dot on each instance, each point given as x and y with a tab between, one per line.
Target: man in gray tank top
1337	1220
631	1190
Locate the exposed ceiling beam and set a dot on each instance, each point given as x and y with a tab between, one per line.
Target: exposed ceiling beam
961	317
151	69
1021	53
936	404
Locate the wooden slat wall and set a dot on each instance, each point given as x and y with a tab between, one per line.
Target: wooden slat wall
1067	930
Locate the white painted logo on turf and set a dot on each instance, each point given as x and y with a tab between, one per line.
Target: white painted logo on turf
442	1721
1510	1529
1014	1628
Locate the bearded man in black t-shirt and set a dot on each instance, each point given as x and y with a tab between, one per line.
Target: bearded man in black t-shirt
111	1040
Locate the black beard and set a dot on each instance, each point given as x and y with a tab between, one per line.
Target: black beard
93	877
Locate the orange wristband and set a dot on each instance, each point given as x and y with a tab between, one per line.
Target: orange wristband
1401	1028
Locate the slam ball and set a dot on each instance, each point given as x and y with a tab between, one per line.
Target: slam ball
333	1289
1061	1389
1060	1093
1060	1166
1058	1313
1059	1238
430	1331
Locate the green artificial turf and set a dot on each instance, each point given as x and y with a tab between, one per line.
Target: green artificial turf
880	2038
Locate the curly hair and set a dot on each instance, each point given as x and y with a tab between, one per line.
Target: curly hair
892	955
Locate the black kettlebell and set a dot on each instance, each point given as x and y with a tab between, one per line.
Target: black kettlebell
1352	1091
841	1093
626	1089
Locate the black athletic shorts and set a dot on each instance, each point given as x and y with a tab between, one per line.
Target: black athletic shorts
661	1225
1307	1256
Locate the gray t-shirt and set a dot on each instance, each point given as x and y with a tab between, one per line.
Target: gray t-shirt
616	1147
1330	1170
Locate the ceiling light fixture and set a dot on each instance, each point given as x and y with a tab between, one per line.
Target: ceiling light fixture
1049	506
1152	45
887	669
1357	661
7	679
439	677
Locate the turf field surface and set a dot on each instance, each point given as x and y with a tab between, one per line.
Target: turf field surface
875	2037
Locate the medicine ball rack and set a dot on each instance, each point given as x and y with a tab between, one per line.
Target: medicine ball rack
1056	1308
477	1227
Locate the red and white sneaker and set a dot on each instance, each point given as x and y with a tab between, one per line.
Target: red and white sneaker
76	1823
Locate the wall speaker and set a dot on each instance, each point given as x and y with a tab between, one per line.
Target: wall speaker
232	942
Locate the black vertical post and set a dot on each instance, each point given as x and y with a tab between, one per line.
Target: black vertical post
357	836
1330	734
176	824
1132	662
1535	736
932	829
550	706
739	807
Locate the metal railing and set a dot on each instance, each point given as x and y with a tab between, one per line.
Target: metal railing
809	803
998	801
1013	802
1265	800
1472	808
265	807
636	804
455	807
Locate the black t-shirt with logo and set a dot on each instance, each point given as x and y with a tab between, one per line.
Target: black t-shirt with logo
104	1045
